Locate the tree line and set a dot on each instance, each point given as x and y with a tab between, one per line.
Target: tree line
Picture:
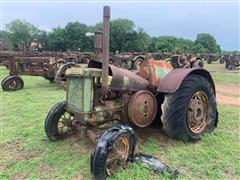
124	37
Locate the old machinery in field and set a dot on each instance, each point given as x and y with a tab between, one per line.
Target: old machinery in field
101	95
31	66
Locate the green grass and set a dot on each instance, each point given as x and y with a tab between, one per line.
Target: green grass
226	78
26	152
214	66
222	75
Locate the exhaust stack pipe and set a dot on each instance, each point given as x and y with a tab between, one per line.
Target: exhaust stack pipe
105	49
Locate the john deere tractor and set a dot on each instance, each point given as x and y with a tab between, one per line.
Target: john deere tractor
100	96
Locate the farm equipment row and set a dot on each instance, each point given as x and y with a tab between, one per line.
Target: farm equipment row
105	103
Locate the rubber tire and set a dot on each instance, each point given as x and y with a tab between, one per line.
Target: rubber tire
198	63
51	81
52	119
136	63
174	109
100	154
5	81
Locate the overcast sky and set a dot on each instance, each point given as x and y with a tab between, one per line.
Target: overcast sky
183	19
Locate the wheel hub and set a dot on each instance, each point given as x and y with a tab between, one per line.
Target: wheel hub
142	108
65	124
198	112
118	155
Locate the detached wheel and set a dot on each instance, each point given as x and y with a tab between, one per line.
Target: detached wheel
114	148
59	123
191	110
12	83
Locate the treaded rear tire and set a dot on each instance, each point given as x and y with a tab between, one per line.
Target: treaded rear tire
175	108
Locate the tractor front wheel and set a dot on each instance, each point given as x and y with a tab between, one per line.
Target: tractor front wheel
191	110
12	83
59	122
114	148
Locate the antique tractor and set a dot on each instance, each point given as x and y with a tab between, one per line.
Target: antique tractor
100	95
31	66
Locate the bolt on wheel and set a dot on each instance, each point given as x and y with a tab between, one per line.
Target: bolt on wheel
198	112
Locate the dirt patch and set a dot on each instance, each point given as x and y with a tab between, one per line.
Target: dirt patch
228	100
46	169
144	134
228	89
24	155
79	177
228	94
16	152
18	176
2	167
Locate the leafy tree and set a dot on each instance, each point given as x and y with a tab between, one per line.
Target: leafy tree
208	42
22	34
5	41
57	40
137	41
152	46
42	38
120	30
76	38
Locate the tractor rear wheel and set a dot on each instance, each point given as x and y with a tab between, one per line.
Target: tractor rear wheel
59	123
191	110
12	83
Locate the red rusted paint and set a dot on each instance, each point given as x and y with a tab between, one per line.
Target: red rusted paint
154	71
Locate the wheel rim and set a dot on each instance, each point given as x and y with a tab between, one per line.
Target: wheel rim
198	112
65	124
118	155
12	84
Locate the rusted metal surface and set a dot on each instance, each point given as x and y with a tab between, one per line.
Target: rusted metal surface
122	79
172	81
98	41
119	154
142	108
105	62
154	71
198	112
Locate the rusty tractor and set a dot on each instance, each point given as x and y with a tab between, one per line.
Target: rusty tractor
232	62
183	61
100	96
32	66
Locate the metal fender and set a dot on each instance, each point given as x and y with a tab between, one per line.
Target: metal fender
172	81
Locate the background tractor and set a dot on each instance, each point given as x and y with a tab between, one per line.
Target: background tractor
100	95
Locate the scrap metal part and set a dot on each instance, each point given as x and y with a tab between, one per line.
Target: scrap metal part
155	164
106	150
